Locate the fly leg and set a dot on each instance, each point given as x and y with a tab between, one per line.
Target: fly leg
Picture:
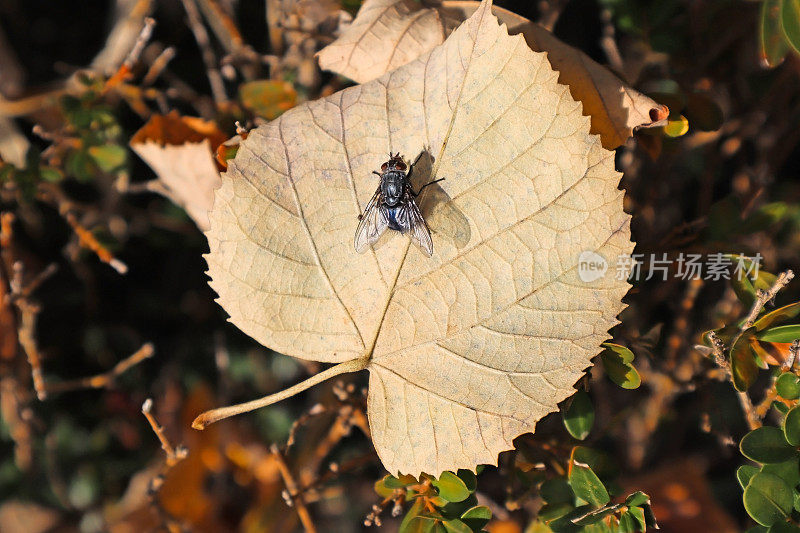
415	194
411	168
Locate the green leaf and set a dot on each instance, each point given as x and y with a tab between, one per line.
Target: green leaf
398	483
767	499
469	478
632	521
788	386
412	513
451	487
780	333
745	473
382	488
649	517
564	523
617	361
51	174
477	517
552	512
636	499
791	426
418	524
789	471
586	485
766	445
783	527
456	509
556	490
773	45
456	526
108	157
579	415
776	316
781	407
79	164
743	363
790	23
625	355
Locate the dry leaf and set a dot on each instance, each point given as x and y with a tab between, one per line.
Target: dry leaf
468	348
389	33
180	151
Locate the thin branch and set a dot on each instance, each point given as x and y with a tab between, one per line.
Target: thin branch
158	65
87	239
753	421
27	325
210	60
175	454
106	379
762	297
292	494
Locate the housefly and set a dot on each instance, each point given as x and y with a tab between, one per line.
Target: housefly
393	206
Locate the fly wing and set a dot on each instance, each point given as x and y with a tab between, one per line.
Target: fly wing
373	223
418	228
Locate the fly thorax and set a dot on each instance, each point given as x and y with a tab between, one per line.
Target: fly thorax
392	187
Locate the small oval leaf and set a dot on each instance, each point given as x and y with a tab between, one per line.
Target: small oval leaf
586	485
788	386
790	23
767	499
791	426
745	473
451	487
579	416
766	445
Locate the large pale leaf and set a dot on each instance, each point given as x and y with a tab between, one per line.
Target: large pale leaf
466	349
389	33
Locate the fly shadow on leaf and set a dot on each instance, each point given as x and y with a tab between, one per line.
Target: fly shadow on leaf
443	216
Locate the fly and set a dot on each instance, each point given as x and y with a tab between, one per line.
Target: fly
393	206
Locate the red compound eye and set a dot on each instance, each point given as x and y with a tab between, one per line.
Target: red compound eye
384	167
400	165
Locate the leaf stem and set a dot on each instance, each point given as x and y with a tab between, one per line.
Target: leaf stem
215	415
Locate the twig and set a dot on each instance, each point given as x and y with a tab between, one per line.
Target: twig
27	325
762	297
292	495
550	12
105	379
753	421
175	454
609	44
130	16
210	60
794	352
87	239
158	65
141	41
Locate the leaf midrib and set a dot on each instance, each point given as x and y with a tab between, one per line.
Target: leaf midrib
390	293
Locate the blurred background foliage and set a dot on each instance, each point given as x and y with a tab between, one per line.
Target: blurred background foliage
101	268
